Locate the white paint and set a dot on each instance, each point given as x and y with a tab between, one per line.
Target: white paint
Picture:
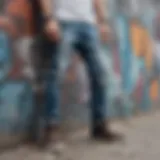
24	51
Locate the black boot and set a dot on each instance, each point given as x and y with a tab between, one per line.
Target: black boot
101	131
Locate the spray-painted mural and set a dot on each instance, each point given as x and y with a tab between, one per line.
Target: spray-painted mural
128	60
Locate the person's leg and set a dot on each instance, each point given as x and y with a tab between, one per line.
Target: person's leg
60	60
90	48
42	49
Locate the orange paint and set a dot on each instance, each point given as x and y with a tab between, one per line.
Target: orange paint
21	8
143	47
141	43
136	38
154	91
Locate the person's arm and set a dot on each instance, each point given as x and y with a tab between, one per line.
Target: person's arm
51	27
104	30
47	8
100	11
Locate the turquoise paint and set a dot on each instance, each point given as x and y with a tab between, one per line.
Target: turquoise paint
125	62
15	96
125	53
112	85
5	56
15	107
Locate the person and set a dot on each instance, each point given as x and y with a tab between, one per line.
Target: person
68	27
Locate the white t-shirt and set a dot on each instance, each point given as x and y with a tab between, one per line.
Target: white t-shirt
74	10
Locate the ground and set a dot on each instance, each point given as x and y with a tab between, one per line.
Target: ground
142	142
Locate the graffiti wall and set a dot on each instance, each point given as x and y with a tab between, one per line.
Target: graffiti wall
132	83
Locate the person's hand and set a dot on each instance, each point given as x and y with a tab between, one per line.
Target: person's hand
52	30
105	32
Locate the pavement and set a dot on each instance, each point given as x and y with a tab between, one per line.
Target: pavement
141	142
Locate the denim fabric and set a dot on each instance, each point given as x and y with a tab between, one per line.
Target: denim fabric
82	39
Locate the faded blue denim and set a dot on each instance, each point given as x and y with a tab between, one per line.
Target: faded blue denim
83	39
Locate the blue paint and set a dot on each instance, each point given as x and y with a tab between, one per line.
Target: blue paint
5	55
125	52
15	106
145	104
